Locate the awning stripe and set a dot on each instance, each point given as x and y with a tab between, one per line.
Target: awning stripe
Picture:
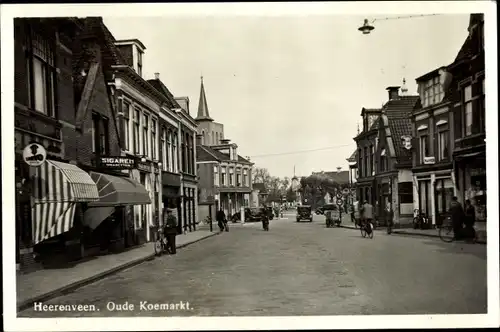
52	219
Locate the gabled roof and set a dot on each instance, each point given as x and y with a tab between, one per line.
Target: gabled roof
397	122
206	153
158	85
353	156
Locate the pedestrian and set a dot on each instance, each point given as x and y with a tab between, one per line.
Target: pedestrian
470	219
170	230
220	217
457	217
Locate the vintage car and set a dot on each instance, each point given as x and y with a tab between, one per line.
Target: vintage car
304	212
237	216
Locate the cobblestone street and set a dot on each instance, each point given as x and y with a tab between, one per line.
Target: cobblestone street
296	269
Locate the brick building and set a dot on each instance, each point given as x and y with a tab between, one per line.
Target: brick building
433	177
467	96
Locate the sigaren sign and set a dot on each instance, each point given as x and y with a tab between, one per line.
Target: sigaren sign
117	162
34	154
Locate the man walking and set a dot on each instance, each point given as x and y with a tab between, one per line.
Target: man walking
170	230
220	217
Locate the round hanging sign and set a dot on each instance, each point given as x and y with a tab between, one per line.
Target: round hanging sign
34	154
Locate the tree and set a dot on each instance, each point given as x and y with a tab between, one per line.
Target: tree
291	196
261	175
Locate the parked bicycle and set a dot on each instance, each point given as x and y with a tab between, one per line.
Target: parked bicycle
160	244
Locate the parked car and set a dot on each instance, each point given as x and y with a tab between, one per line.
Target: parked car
304	212
251	214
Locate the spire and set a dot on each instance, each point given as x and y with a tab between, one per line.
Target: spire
202	105
404	89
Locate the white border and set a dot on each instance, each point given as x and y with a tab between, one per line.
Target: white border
247	9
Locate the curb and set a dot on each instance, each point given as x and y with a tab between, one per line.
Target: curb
78	284
428	235
399	232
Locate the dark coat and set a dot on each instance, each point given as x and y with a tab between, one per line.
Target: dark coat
470	213
221	216
457	213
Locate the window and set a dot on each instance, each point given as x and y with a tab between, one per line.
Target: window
216	175
216	138
238	178
137	115
383	161
433	92
170	156
41	73
164	151
468	109
202	137
372	156
424	147
482	108
365	165
99	134
95	128
231	171
153	139
405	190
126	129
213	138
139	63
223	175
442	145
191	156
360	166
245	177
103	136
145	138
175	160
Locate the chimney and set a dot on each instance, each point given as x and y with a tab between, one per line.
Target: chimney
338	169
199	140
393	92
225	141
404	89
157	76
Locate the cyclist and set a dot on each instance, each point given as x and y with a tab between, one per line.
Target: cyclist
367	219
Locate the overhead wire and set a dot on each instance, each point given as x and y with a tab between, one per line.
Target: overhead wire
300	151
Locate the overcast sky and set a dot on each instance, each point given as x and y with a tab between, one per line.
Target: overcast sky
287	84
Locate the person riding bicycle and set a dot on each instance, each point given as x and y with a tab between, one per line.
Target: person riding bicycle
457	215
170	230
367	212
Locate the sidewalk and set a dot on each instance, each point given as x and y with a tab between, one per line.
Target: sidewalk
45	284
480	230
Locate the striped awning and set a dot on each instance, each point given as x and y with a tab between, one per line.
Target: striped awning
119	191
57	187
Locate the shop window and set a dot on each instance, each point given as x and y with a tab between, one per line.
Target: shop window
405	191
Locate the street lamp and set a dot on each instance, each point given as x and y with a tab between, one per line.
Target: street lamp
367	26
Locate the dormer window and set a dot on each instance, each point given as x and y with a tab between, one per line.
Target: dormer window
139	62
433	92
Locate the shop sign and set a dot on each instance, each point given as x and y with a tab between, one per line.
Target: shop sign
34	154
429	160
142	166
117	162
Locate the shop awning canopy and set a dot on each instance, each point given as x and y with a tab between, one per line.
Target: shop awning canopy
94	216
118	191
57	187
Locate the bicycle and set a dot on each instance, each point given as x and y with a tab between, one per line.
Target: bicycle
447	233
160	244
366	229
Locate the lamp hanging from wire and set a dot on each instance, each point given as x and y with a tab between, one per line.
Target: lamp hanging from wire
367	26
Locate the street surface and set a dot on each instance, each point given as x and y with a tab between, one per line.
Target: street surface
294	269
